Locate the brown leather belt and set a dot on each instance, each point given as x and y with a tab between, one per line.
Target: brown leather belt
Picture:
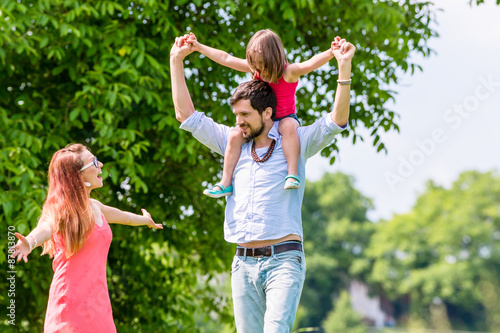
267	251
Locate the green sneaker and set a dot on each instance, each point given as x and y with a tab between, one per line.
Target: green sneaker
292	182
223	192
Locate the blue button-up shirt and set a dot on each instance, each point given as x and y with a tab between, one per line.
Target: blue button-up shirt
260	208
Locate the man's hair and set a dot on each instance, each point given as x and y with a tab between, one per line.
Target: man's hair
259	93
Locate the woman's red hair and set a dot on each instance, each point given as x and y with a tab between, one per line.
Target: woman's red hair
67	206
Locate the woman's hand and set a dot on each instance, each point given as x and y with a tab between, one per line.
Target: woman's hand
22	249
151	223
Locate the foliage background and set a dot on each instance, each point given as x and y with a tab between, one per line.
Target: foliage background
96	72
435	267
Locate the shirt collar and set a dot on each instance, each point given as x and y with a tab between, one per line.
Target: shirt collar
273	132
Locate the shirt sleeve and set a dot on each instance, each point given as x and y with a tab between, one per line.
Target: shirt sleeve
318	135
207	131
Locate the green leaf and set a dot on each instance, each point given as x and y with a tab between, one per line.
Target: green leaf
139	60
112	98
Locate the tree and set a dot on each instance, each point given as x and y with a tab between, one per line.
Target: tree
96	72
344	318
445	251
479	2
336	232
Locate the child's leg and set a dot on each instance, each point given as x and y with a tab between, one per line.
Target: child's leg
291	146
231	158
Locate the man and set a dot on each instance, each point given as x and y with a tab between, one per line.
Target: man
268	269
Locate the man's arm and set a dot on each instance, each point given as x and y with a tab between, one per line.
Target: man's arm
204	129
344	52
180	94
315	137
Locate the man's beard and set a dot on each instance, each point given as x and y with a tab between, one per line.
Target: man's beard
254	132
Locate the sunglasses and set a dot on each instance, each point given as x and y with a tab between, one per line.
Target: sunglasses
95	162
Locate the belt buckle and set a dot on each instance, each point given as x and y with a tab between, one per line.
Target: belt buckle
256	256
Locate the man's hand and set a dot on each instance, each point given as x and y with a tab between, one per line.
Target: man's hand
342	50
181	49
192	40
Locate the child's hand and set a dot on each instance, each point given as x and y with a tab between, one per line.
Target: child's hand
181	40
335	45
342	50
151	223
191	39
180	48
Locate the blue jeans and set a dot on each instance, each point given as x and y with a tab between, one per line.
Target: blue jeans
293	115
266	291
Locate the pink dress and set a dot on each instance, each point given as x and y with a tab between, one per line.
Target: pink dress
78	298
285	96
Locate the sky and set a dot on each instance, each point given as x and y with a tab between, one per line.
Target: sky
449	116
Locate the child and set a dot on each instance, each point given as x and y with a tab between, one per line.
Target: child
266	60
74	230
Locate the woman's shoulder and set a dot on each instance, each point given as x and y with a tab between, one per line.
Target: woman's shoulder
96	202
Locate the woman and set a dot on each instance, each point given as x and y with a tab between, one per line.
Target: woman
74	230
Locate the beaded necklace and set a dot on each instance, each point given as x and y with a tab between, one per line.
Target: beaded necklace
266	156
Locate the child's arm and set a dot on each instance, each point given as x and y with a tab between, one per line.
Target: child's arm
42	233
219	56
294	71
114	215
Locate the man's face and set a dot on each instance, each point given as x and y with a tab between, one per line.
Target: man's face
250	122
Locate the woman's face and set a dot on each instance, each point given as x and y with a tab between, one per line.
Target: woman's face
92	172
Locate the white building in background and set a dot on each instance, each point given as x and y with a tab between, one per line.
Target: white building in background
370	308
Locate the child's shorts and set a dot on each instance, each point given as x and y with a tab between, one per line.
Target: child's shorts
292	115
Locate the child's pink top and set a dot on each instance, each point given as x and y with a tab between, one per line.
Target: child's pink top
285	96
78	298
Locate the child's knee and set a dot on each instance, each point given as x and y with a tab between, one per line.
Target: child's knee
235	137
288	125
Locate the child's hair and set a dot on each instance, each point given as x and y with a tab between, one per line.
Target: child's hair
260	94
265	53
67	205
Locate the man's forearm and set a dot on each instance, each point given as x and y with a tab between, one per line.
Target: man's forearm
340	112
180	94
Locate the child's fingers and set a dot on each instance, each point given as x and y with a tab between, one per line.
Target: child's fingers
342	44
181	41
